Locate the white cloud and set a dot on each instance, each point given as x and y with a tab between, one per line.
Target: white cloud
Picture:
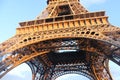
115	71
20	70
19	73
72	77
91	2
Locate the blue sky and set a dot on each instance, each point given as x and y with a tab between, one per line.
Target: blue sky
13	12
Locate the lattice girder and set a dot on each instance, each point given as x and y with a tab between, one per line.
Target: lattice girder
25	43
64	33
76	68
78	32
65	25
82	44
54	8
14	61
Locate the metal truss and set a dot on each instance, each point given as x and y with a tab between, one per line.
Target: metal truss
64	39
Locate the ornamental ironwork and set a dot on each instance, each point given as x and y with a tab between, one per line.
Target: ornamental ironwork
66	38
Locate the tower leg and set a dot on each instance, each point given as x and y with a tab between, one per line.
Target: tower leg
100	70
42	73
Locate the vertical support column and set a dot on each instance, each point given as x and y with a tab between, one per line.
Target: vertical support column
41	72
48	72
99	69
37	70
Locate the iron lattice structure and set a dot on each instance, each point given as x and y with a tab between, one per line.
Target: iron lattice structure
66	38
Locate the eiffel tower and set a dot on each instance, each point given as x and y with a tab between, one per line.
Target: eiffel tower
65	39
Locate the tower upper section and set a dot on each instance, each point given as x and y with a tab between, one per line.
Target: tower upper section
62	7
50	1
57	15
